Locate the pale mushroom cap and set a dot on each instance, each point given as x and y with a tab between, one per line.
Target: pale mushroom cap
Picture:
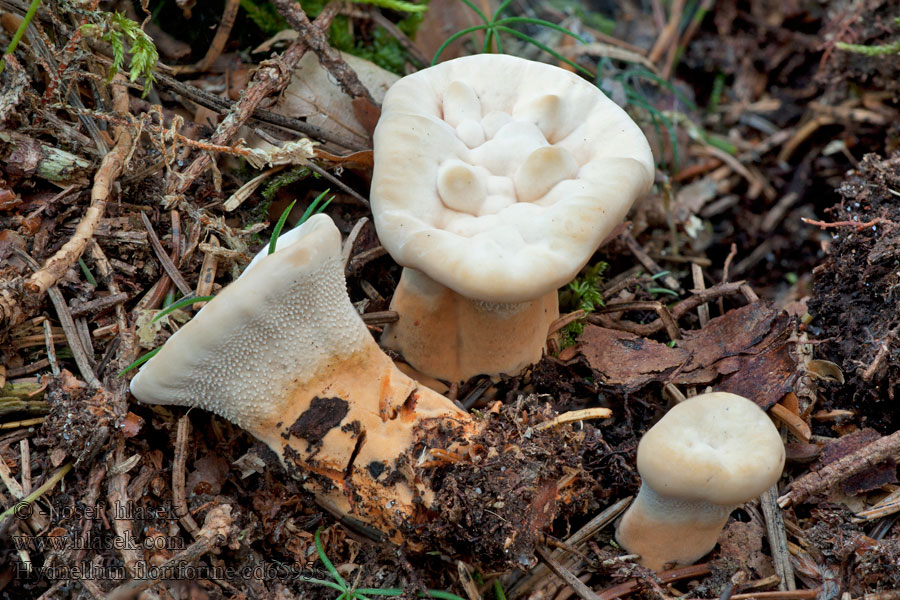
499	177
717	447
284	319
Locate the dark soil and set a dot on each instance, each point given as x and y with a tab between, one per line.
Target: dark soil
856	293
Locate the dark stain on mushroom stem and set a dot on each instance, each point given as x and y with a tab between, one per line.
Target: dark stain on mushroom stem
322	416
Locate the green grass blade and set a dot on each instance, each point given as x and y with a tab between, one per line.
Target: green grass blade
314	208
477	10
20	32
380	592
279	226
499	594
327	562
139	361
542	23
397	5
545	48
441	595
455	37
656	290
87	272
180	304
324	582
500	9
651	76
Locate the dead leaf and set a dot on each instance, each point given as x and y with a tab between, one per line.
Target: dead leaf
314	94
748	345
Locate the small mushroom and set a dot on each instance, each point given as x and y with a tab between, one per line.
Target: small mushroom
495	180
704	458
282	353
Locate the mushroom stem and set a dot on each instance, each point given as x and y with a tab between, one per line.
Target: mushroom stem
668	530
283	353
448	336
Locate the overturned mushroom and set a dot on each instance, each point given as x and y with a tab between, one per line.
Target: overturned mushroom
703	459
495	180
282	353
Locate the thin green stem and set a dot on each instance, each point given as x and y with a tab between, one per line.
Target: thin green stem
543	47
455	37
500	9
139	361
541	22
327	562
20	32
477	10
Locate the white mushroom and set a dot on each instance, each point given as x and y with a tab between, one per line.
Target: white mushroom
495	180
282	353
703	459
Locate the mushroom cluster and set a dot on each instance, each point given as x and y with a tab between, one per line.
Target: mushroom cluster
703	459
495	180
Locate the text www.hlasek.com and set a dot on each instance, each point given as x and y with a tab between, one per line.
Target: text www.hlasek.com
41	543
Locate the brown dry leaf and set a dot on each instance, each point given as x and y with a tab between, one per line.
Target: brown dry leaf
314	94
628	360
749	345
131	425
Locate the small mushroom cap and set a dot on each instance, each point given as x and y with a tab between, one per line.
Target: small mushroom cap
499	177
286	318
717	447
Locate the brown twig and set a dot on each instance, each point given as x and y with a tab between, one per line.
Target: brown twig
865	458
98	304
117	496
317	39
648	262
167	262
110	169
881	355
179	504
218	42
855	224
69	329
583	591
631	586
777	537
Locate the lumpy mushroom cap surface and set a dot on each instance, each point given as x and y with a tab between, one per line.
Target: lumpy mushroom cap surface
499	177
716	447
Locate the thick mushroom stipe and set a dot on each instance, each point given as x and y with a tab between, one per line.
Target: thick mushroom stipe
283	353
704	458
497	178
486	333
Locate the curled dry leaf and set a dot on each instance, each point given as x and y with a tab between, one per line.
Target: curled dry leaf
747	347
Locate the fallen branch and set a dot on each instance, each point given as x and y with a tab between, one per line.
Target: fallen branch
856	462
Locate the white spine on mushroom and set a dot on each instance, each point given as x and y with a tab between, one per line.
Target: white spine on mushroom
282	321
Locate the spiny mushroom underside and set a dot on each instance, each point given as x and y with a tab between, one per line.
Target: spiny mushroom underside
448	336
